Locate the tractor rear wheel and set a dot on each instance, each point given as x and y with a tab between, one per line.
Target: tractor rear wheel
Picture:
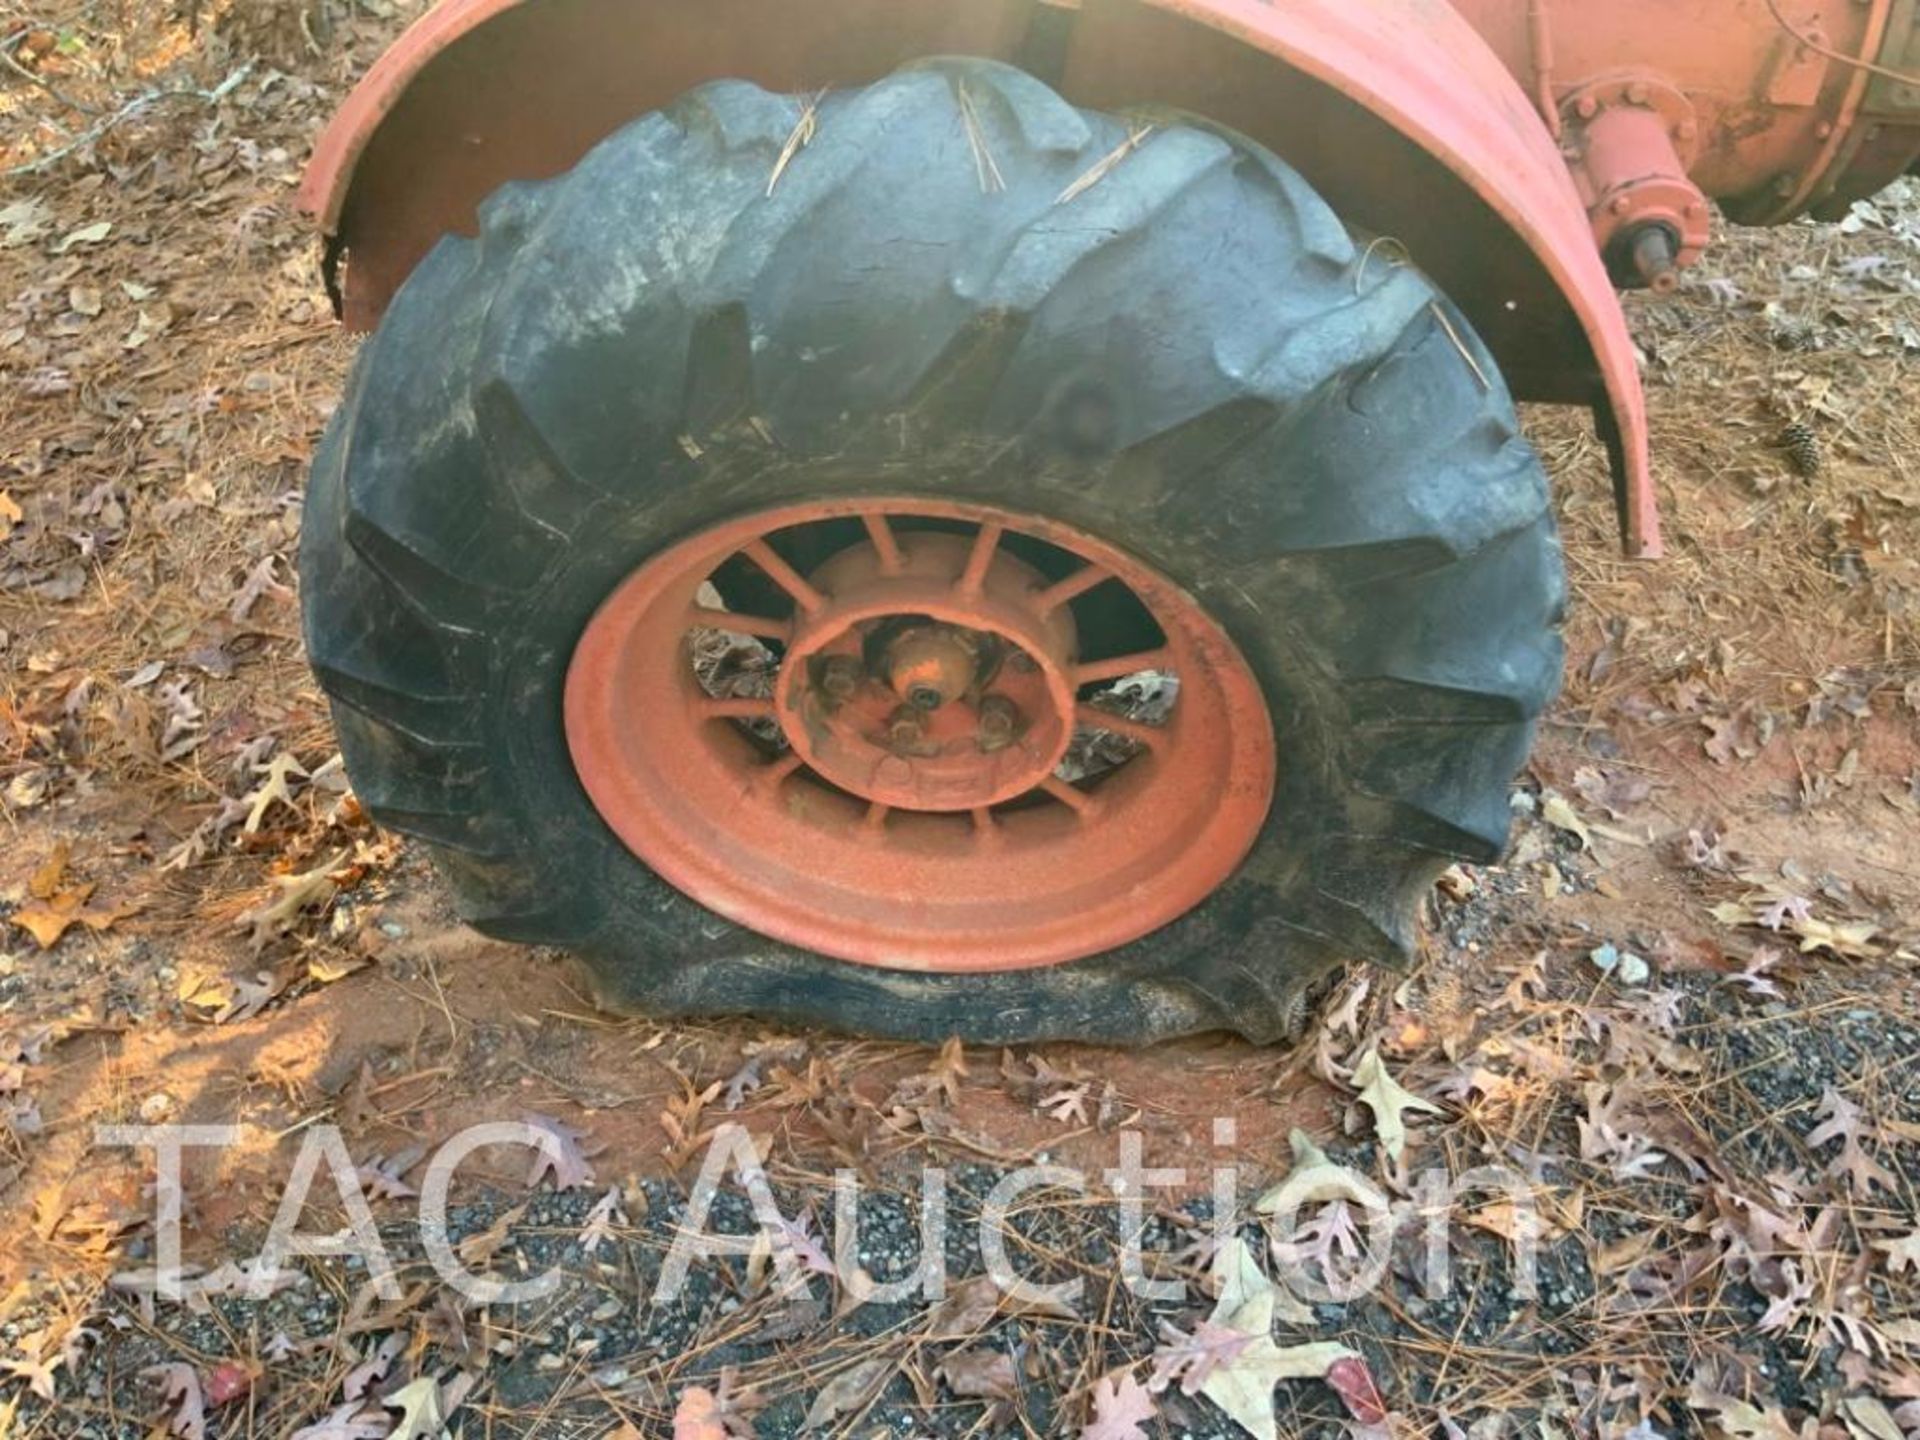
933	561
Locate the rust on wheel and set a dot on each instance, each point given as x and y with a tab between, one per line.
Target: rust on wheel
908	760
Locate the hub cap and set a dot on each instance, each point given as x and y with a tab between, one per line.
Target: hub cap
907	760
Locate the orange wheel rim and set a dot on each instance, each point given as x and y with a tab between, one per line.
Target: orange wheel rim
909	762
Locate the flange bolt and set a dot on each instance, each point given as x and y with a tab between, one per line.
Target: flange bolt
998	718
907	726
840	676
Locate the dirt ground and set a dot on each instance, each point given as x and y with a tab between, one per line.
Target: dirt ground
1684	1010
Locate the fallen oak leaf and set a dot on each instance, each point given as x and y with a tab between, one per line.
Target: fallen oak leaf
349	1422
49	920
1849	941
987	1375
967	1309
1902	1255
229	1380
418	1402
1843	1121
297	894
598	1229
1740	1419
565	1160
47	880
1868	1419
248	998
1353	1382
1389	1101
480	1248
1788	909
703	1414
696	1417
382	1178
1068	1106
37	1371
796	1237
361	1379
1190	1359
1121	1405
261	580
948	1069
1555	810
326	969
274	790
848	1392
180	1386
1243	1386
972	1305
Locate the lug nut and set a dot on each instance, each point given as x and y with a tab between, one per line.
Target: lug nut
925	697
907	726
840	676
998	717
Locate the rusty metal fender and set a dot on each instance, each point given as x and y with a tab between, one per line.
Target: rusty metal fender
1398	110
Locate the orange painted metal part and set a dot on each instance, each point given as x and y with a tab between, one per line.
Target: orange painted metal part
952	848
876	741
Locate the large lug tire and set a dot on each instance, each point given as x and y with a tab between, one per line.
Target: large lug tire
963	287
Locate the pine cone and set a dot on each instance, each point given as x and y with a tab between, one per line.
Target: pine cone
1803	449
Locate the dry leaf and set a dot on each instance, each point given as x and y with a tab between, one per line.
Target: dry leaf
1389	1101
1868	1419
273	791
360	1380
1902	1255
324	968
1243	1386
479	1249
1190	1359
981	1375
1555	810
296	894
86	235
1121	1406
849	1391
1741	1420
228	1381
49	919
606	1214
967	1309
1353	1382
181	1387
565	1160
419	1405
697	1416
349	1422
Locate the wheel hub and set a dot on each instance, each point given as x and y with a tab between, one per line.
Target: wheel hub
911	760
912	691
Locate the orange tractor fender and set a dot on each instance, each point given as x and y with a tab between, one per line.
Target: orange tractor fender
1398	111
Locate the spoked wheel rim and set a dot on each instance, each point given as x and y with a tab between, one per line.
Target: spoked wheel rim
906	760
